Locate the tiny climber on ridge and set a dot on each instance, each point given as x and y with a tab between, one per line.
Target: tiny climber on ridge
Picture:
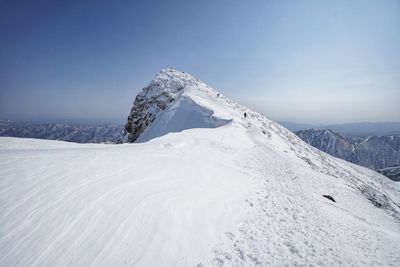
245	115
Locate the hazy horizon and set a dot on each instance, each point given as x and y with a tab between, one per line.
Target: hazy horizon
304	61
122	121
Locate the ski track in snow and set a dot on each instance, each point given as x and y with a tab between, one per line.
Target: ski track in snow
248	193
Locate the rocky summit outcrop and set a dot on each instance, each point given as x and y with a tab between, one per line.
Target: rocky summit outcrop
162	91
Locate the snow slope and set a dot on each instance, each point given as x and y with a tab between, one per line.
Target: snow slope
182	115
235	192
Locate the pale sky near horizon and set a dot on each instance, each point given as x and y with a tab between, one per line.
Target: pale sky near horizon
302	61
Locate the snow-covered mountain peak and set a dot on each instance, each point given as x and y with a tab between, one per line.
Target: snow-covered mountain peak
171	81
169	97
175	101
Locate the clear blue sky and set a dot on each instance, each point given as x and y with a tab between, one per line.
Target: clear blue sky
306	61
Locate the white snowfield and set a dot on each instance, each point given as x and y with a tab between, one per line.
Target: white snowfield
236	192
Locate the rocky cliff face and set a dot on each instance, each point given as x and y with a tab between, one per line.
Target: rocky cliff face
380	153
162	91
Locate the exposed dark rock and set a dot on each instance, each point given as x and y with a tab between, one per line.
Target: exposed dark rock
166	87
329	197
144	111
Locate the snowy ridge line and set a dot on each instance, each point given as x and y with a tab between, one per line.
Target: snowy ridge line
371	190
220	189
169	87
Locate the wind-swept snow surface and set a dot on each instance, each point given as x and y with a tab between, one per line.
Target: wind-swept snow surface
245	192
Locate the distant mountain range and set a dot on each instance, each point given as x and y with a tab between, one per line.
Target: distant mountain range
71	132
350	129
380	153
377	152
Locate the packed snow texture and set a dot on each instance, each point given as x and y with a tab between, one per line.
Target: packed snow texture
247	193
